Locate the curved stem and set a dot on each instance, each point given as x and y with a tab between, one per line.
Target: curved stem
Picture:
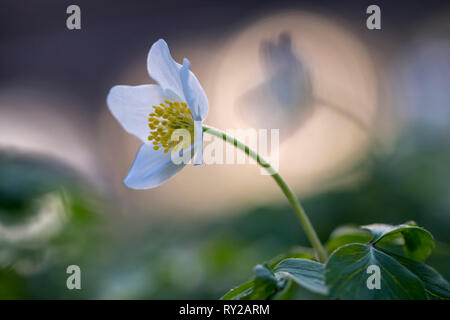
301	214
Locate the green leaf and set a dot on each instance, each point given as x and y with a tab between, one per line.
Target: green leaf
347	229
346	275
297	252
277	284
434	283
265	284
306	273
286	286
345	235
239	291
418	242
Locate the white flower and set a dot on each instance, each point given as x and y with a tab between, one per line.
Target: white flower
154	112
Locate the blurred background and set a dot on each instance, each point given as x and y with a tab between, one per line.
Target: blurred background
364	121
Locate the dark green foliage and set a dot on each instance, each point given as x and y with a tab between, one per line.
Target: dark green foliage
346	273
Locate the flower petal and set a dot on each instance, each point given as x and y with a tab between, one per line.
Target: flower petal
131	106
193	92
198	143
151	168
164	69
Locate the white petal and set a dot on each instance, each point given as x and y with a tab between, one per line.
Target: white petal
151	168
164	69
198	143
193	92
131	106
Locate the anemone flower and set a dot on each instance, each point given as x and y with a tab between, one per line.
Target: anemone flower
154	113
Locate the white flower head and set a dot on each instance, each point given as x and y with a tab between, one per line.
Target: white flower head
154	113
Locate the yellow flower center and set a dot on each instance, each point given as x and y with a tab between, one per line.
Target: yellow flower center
165	119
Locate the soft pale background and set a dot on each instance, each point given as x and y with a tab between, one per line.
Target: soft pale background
382	157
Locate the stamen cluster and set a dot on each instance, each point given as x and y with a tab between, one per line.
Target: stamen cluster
165	119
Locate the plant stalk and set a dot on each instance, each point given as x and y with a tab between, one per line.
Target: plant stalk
301	214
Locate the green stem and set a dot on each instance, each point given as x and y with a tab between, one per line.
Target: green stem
301	214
